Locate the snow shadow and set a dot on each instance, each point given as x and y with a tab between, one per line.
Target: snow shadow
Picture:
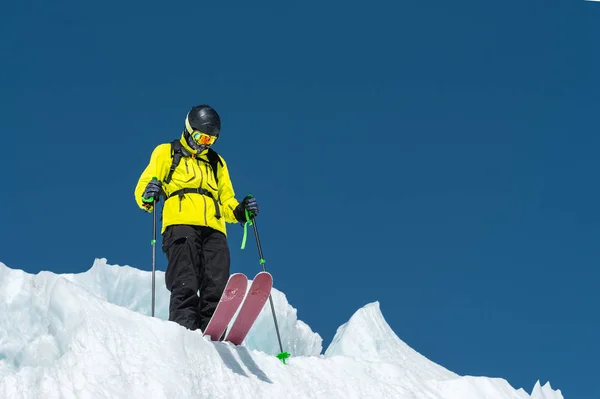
251	365
234	365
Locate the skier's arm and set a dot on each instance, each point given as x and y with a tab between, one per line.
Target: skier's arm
157	167
227	194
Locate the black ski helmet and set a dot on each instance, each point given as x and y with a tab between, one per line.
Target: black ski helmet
204	119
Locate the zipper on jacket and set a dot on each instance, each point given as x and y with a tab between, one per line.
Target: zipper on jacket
203	197
187	171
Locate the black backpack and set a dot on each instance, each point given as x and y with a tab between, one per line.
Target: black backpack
177	152
214	160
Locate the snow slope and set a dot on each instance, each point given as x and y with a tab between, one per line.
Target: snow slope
90	335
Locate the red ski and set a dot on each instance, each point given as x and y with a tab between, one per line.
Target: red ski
230	301
255	300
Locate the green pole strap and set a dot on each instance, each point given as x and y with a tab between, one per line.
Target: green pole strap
282	356
248	222
245	235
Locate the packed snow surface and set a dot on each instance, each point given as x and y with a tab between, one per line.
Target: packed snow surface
90	335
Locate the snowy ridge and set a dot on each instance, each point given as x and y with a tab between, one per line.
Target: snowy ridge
367	336
89	335
544	392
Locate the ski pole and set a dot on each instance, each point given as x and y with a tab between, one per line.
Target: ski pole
282	355
153	255
153	242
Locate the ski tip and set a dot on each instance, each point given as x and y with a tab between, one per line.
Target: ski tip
263	278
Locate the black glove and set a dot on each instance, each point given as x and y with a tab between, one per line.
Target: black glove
248	203
151	193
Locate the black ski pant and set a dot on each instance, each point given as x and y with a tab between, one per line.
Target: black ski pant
197	259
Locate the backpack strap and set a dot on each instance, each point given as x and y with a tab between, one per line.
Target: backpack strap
214	160
176	154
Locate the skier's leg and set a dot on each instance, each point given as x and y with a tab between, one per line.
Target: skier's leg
214	273
181	277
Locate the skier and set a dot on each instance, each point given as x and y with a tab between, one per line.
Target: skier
199	200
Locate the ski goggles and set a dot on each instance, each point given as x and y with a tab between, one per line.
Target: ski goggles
203	138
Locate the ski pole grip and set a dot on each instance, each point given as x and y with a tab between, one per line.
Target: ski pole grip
154	178
249	214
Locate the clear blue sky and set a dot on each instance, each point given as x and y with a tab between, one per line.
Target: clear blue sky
439	157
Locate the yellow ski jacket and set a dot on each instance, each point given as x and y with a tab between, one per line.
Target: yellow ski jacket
193	172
